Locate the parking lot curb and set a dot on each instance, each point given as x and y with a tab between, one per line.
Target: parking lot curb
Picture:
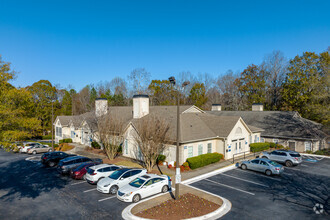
315	155
224	209
207	175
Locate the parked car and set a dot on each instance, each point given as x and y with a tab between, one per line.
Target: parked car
118	179
144	186
81	170
36	149
263	165
26	146
67	164
51	159
289	158
95	173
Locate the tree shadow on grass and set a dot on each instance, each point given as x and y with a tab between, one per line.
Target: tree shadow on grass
26	179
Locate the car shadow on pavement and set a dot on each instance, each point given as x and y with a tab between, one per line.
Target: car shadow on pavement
26	179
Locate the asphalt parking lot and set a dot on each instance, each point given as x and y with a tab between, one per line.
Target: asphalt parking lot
30	191
293	195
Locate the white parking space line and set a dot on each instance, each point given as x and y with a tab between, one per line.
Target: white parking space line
89	190
80	182
243	180
261	175
230	187
106	198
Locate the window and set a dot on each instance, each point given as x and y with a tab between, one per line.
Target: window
148	183
72	134
200	149
58	131
274	153
263	163
262	140
283	154
250	139
114	168
209	148
156	180
255	139
190	151
128	174
126	147
255	161
135	172
308	146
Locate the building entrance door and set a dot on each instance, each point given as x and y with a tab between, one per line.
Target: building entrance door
292	145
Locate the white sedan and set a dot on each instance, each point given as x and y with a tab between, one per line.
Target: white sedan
144	186
98	172
118	179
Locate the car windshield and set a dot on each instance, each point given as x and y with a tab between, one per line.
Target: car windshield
115	175
137	182
294	154
273	163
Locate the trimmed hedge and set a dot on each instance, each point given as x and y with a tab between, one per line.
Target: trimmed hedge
96	145
68	140
47	137
256	147
203	160
161	158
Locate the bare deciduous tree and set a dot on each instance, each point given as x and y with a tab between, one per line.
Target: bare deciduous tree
110	133
139	79
151	136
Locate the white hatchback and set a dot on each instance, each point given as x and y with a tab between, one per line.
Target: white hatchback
97	172
119	179
144	186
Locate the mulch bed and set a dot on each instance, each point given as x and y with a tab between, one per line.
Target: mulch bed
187	206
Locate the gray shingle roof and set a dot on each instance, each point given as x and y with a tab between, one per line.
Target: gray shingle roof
278	124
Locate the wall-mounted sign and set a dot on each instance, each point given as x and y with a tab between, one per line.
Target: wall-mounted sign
229	150
245	142
229	146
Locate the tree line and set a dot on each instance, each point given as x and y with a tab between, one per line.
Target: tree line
300	84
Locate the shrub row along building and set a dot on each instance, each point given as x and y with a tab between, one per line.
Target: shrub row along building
225	132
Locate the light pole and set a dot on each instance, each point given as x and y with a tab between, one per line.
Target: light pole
52	126
177	173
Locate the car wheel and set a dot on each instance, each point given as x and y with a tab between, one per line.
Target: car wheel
243	167
165	189
288	163
50	150
264	157
136	198
34	152
51	164
113	189
268	172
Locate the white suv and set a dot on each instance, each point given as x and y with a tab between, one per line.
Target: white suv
118	179
95	173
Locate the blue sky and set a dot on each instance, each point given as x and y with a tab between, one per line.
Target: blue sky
83	42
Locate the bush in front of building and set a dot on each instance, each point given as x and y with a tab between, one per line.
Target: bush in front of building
47	137
256	147
323	152
203	160
67	140
161	158
95	145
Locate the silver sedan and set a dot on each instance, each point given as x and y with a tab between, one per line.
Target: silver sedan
263	165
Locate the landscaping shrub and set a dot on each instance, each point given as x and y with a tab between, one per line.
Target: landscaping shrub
67	140
161	158
271	144
186	166
279	146
96	145
182	168
120	149
170	166
47	137
323	152
203	160
256	147
63	147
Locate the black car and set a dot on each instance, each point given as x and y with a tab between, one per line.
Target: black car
67	164
51	159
